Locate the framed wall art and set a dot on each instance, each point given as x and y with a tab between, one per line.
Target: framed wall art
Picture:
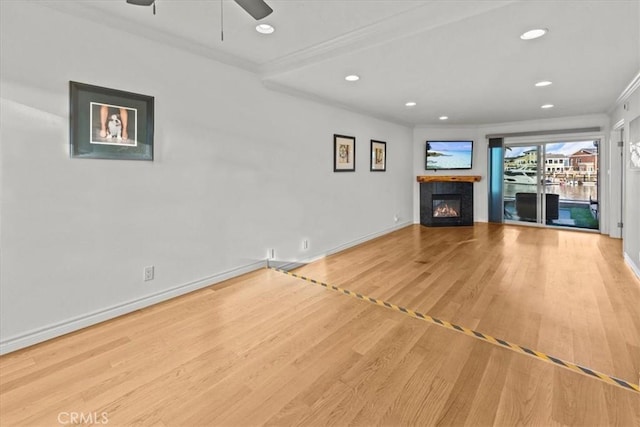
110	124
344	153
378	156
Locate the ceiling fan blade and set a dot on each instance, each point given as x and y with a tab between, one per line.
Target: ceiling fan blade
256	8
141	2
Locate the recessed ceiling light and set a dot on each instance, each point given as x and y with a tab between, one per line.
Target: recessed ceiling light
352	78
410	104
534	34
543	83
265	28
545	106
443	118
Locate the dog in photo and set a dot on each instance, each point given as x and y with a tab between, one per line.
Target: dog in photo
114	127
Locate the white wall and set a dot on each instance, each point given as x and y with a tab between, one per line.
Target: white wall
422	134
238	169
628	111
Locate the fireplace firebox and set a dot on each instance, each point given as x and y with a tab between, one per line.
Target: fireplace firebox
446	203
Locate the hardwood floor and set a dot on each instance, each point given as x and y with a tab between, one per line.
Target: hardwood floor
267	348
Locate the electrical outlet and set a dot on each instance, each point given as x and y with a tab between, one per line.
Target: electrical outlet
305	244
148	273
396	217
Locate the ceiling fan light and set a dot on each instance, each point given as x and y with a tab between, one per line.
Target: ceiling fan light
265	28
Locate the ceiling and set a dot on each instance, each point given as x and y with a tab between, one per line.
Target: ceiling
462	59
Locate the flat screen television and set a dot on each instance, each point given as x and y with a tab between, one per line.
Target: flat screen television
449	155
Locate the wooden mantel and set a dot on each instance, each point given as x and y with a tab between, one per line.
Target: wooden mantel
448	178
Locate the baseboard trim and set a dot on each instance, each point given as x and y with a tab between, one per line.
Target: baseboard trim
366	238
37	336
291	265
53	331
286	266
632	265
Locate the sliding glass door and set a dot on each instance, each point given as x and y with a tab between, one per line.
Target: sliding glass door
522	189
553	184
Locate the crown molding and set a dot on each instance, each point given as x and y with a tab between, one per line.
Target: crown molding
425	17
626	93
617	125
600	118
443	126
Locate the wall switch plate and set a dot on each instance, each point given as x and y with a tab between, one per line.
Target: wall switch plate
148	273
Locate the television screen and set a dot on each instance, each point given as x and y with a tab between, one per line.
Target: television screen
449	155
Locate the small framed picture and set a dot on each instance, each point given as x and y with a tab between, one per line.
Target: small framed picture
378	156
344	153
109	123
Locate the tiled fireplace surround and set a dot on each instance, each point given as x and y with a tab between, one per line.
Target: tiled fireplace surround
453	195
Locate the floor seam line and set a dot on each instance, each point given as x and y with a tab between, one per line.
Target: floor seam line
608	379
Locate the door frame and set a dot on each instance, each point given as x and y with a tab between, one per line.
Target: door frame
616	181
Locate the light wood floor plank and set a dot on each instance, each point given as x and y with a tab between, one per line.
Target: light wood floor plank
556	274
267	348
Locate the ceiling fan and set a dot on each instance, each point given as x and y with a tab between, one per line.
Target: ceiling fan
258	9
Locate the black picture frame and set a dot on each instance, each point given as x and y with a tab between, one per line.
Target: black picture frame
378	156
109	124
344	153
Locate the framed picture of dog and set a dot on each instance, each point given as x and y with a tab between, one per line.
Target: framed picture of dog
344	153
109	123
378	156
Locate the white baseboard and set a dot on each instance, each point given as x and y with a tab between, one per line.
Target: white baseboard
345	246
365	238
52	331
287	266
635	268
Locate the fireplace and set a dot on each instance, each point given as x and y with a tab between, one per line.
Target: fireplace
446	203
445	206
